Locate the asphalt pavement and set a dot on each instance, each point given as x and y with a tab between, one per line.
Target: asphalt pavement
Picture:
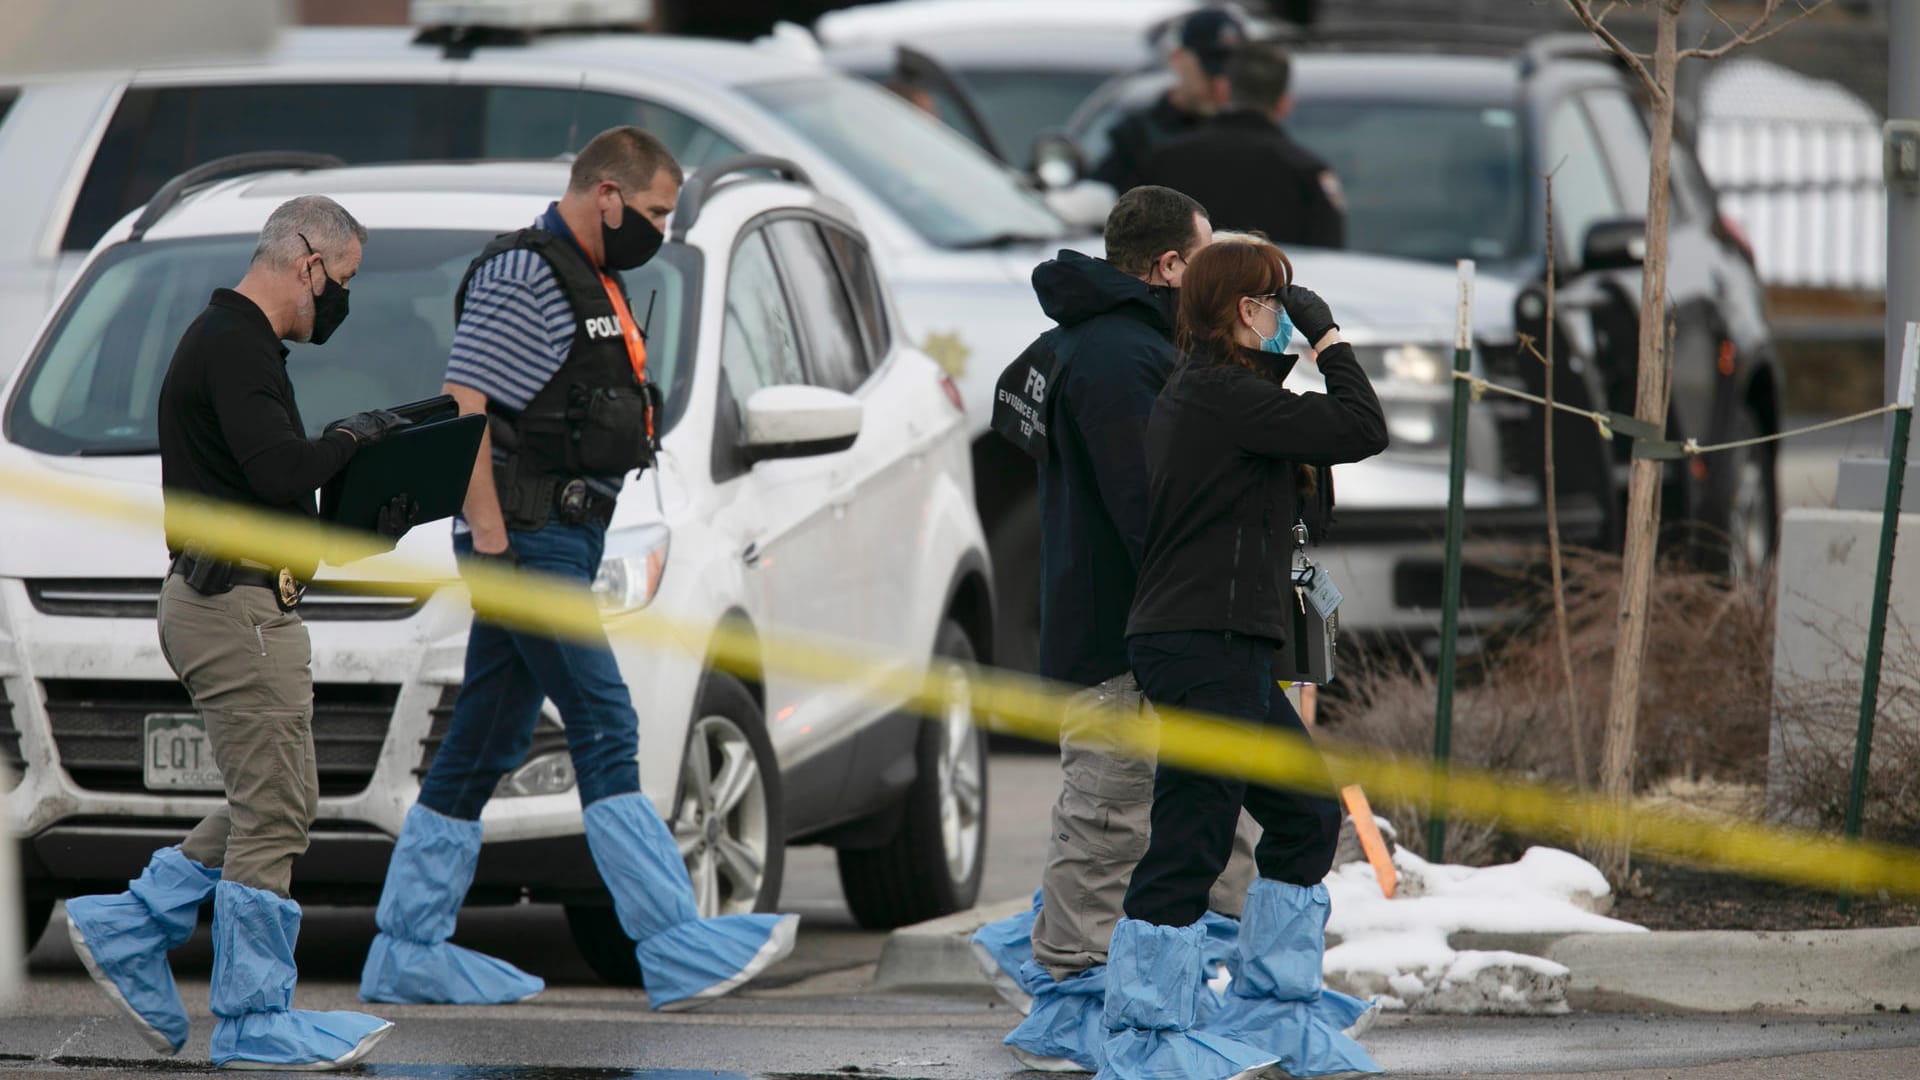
816	1015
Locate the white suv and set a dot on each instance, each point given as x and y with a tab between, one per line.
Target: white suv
767	320
954	233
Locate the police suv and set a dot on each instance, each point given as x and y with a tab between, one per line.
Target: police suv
814	479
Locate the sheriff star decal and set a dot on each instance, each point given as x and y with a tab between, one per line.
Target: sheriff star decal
948	351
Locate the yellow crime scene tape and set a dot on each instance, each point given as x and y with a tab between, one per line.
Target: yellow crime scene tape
1032	707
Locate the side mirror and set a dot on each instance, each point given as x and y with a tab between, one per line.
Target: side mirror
1615	244
799	421
1057	161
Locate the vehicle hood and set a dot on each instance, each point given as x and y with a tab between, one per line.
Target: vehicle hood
42	541
1073	288
1378	299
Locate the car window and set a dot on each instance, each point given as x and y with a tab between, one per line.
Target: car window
1624	134
836	351
159	132
93	385
869	303
1582	192
544	122
759	346
1433	182
1020	104
943	186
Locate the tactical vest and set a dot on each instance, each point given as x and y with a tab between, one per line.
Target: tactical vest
593	418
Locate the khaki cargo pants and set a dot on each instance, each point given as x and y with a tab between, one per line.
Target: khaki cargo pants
248	667
1100	826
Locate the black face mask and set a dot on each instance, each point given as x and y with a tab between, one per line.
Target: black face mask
632	243
330	307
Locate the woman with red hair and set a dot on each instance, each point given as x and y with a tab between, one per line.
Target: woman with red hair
1233	459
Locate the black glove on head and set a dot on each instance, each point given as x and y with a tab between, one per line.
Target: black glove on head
1309	313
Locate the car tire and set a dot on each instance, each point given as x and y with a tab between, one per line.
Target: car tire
35	913
932	865
1743	507
732	833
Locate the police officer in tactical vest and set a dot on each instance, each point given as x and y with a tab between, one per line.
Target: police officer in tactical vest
547	346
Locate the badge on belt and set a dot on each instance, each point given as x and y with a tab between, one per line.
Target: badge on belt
288	590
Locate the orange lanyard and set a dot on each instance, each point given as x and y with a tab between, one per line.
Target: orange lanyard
636	345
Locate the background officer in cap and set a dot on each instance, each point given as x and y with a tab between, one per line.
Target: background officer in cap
546	345
1199	64
1245	169
230	430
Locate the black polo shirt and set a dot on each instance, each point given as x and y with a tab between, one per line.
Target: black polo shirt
229	427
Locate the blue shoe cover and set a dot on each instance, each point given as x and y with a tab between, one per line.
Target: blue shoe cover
1154	989
685	961
1067	1020
1276	1001
252	992
1004	951
123	940
411	960
1222	942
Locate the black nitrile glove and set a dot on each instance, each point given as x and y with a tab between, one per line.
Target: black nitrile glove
1309	313
504	558
397	516
371	426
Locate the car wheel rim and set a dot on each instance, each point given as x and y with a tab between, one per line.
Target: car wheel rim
721	822
1749	524
962	794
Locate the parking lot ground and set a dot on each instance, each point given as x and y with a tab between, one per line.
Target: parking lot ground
815	1015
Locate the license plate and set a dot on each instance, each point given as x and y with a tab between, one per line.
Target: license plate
178	756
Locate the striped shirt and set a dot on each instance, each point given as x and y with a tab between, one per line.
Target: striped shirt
516	331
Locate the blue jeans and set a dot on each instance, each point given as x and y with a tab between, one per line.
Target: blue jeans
1194	814
509	673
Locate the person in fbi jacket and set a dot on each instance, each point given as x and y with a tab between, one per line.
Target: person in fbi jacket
532	339
230	430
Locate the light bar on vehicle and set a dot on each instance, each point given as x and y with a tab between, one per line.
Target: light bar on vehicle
530	15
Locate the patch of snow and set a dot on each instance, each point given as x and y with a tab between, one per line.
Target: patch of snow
1398	949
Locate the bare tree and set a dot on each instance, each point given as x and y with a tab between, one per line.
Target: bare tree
1650	391
1556	560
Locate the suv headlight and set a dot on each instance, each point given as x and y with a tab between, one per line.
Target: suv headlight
1415	364
630	571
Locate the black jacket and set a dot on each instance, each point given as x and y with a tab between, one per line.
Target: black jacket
1249	175
1099	373
1135	138
1220	454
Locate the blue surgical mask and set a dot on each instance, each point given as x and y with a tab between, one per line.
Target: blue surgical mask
1282	331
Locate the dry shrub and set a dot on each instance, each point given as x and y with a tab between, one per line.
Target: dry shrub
1705	694
1818	725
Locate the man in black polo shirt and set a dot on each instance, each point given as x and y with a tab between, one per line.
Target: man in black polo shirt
1246	170
230	430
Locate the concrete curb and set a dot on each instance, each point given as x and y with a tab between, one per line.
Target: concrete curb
1713	971
936	955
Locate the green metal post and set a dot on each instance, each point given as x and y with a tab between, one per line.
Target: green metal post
1450	580
1882	585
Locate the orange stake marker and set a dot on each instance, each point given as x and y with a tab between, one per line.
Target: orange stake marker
1371	841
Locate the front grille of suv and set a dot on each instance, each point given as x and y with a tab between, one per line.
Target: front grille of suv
138	598
98	726
10	752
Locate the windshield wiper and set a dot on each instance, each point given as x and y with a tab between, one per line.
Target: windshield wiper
139	450
1002	240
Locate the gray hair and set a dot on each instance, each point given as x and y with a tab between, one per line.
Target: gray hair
325	224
